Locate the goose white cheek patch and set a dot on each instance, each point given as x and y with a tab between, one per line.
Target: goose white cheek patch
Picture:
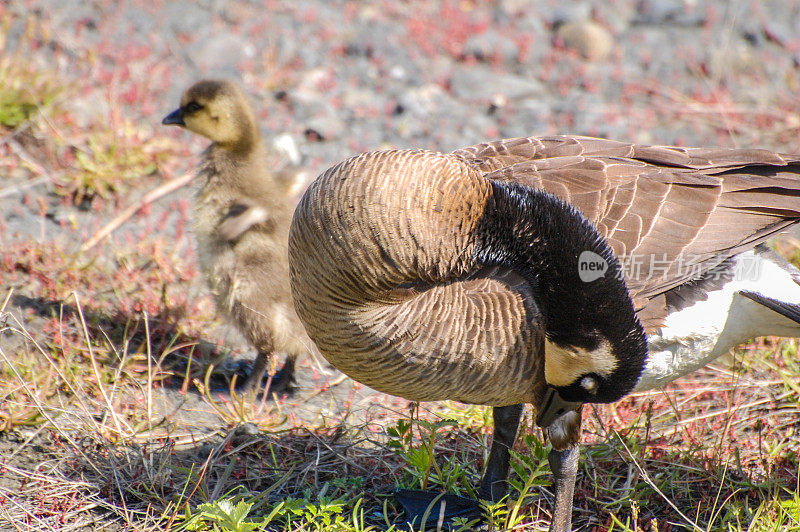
563	367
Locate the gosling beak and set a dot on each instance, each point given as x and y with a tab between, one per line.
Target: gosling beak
552	407
174	118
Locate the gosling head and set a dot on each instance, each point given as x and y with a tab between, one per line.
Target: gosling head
217	110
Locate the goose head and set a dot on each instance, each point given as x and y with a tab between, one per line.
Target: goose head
595	346
219	111
590	369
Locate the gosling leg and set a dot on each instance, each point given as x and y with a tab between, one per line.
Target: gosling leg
506	422
282	380
253	381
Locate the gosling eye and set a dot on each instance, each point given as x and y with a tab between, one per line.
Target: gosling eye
589	384
192	107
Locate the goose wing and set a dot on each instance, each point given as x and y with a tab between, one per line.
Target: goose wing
670	213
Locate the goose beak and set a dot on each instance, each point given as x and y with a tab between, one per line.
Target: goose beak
174	118
552	407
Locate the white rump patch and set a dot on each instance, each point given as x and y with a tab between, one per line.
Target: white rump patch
696	335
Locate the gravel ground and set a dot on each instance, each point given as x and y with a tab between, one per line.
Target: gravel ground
339	78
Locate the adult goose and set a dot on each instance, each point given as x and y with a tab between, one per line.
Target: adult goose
555	271
241	220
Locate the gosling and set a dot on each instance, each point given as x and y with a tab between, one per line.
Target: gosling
241	221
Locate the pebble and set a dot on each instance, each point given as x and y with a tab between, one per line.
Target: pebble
492	45
324	127
483	83
286	146
220	55
566	12
422	101
591	40
675	12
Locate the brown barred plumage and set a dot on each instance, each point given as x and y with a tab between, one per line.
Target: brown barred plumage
391	282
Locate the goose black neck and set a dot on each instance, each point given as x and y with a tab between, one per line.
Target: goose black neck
562	256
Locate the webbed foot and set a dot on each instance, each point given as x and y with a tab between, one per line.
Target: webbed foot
282	382
433	507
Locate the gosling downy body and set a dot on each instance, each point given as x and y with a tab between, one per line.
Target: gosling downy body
241	220
554	271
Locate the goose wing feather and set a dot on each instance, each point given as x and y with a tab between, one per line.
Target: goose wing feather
669	213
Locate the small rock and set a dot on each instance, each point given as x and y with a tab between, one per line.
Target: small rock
490	45
515	7
616	16
246	429
566	12
397	72
353	98
735	58
778	32
481	83
423	101
222	53
325	127
528	117
312	135
286	146
310	85
182	19
591	40
675	12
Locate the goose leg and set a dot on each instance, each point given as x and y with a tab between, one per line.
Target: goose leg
417	503
506	422
564	434
565	468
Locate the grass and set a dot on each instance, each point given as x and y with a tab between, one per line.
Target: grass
24	92
85	159
110	419
93	441
111	159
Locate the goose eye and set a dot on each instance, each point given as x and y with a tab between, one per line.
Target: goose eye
589	384
192	107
